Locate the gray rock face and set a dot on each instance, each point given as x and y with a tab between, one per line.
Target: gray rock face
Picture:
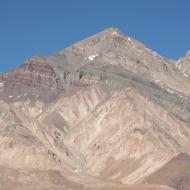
105	113
183	64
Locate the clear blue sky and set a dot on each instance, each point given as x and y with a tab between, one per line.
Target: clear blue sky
30	27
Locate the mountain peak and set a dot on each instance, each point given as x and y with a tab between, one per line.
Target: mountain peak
106	110
112	30
108	32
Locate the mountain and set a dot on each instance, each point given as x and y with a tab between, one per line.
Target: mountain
183	64
175	173
104	113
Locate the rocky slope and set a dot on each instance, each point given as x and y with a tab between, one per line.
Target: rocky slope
105	113
183	64
175	173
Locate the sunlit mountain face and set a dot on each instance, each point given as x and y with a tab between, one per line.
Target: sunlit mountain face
106	113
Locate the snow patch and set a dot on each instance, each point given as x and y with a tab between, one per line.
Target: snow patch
186	75
148	49
158	81
170	91
114	33
1	84
10	96
178	66
91	57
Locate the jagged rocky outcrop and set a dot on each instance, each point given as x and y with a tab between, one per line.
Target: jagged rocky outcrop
183	64
105	113
35	80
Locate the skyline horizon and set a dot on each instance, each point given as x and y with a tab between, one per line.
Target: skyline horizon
41	53
30	28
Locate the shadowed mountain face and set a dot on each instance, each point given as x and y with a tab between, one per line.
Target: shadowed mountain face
105	113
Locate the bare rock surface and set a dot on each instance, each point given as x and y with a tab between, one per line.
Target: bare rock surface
104	113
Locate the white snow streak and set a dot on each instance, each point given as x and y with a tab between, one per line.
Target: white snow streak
186	75
91	57
1	84
114	33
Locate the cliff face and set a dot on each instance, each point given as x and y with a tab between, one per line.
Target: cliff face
105	113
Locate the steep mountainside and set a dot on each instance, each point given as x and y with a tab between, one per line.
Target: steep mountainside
183	64
105	113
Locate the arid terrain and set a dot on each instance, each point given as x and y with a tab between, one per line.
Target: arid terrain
106	113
